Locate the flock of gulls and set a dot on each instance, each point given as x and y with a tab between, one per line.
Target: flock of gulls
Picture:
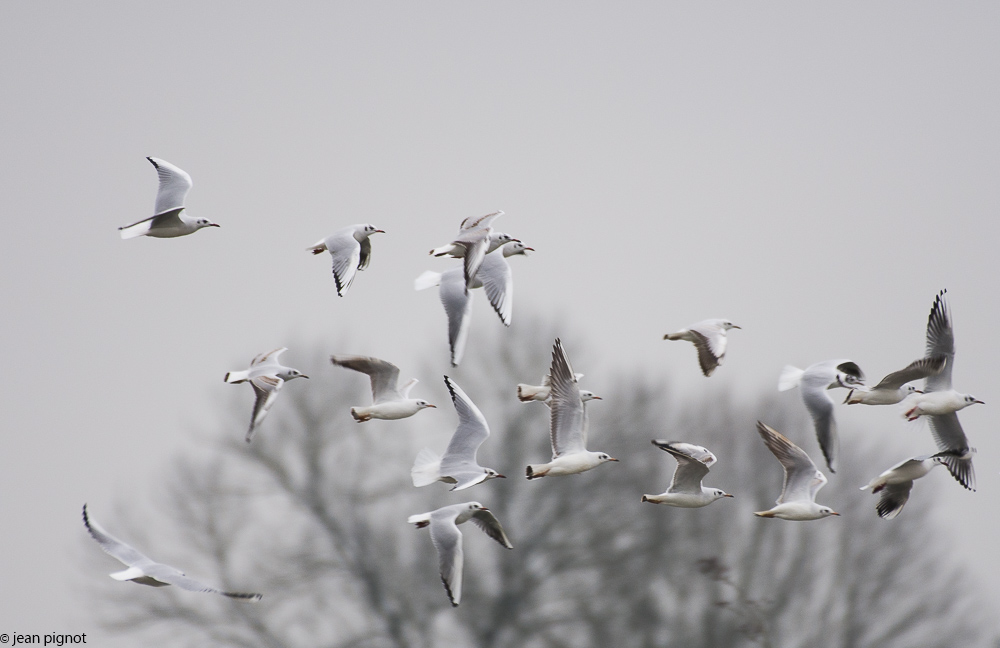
484	253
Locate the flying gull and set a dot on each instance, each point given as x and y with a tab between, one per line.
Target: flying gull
814	382
494	276
685	489
144	570
351	251
709	338
169	219
567	424
458	465
894	388
266	375
474	241
895	484
939	402
802	480
389	402
447	539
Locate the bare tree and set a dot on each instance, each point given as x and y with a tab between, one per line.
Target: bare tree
313	515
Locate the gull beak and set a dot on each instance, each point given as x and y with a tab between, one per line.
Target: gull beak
379	232
728	495
502	476
920	391
979	401
739	327
529	249
214	225
835	513
304	376
596	398
612	459
429	405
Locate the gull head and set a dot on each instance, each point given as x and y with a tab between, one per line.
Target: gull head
288	374
970	399
847	380
603	457
826	511
726	324
204	222
718	493
422	404
516	247
475	506
587	395
500	238
364	231
911	389
492	474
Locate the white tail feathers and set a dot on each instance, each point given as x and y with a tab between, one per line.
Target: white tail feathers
527	393
426	468
418	518
317	248
790	378
237	376
135	230
127	574
427	280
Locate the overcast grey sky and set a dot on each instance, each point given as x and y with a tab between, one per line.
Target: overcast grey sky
816	173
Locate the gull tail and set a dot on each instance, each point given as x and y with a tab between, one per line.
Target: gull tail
875	485
427	280
317	248
426	469
236	377
134	230
534	471
420	519
790	378
527	393
443	250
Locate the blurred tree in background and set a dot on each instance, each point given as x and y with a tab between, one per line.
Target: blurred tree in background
313	515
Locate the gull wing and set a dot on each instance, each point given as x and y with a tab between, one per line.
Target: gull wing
814	384
383	374
940	342
894	496
498	283
269	358
266	389
711	351
346	253
485	520
365	255
168	574
166	220
447	540
174	186
471	432
567	424
480	221
802	479
457	303
124	553
956	454
692	465
922	368
475	251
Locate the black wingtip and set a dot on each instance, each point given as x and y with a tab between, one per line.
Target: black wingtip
153	162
